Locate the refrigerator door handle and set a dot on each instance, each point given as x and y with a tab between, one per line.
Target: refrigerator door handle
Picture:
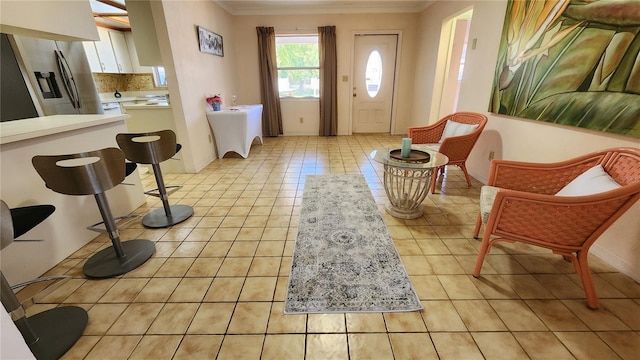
67	79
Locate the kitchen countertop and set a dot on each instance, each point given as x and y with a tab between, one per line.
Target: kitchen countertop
121	99
64	231
17	130
134	96
142	106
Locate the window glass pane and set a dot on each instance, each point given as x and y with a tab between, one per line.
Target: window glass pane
373	73
297	51
159	76
299	83
298	66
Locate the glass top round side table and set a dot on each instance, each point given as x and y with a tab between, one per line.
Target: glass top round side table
407	180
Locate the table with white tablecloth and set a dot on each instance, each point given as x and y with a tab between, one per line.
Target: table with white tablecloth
235	128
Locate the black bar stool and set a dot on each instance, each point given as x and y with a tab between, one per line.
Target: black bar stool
153	148
93	173
51	333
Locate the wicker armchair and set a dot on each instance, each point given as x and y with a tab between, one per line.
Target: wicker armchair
526	209
457	148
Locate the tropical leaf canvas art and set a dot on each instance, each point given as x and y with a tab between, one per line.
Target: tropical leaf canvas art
571	62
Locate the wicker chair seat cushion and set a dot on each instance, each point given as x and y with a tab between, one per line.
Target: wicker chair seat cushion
593	181
487	196
453	128
434	147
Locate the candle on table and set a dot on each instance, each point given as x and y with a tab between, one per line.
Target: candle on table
405	152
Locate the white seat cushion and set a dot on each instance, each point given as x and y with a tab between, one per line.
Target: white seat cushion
487	196
453	128
434	147
593	181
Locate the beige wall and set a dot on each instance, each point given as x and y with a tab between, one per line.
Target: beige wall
246	49
511	138
193	75
450	92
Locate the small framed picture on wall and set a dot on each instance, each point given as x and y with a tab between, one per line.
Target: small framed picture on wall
210	42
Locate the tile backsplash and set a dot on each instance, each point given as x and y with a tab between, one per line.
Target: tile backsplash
106	83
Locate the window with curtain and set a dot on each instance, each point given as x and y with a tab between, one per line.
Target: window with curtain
298	66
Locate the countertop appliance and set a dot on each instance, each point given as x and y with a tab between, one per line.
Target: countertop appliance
48	76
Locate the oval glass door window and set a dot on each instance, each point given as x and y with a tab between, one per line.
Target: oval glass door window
373	73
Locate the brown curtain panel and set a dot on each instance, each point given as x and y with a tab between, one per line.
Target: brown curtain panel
269	95
328	81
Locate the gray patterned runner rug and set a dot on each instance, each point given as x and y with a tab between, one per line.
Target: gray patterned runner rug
344	258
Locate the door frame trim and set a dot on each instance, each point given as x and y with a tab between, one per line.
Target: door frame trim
396	75
443	59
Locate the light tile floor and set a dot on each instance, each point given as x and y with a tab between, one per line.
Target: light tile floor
215	287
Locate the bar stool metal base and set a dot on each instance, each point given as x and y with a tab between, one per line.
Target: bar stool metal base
58	330
106	263
159	219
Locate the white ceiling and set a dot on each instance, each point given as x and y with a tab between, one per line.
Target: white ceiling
282	7
113	14
110	13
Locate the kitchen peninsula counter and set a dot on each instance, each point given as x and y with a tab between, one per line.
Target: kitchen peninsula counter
123	99
64	232
147	106
11	131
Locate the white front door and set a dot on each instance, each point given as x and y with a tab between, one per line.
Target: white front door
373	82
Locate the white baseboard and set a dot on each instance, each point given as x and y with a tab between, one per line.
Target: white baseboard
622	265
299	133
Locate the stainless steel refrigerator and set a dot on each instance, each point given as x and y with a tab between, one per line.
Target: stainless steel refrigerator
48	76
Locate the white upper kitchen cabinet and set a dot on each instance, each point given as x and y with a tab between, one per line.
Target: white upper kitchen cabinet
112	51
105	52
133	53
143	29
92	56
55	20
121	52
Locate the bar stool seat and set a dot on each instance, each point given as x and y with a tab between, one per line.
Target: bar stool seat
93	173
152	148
51	333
